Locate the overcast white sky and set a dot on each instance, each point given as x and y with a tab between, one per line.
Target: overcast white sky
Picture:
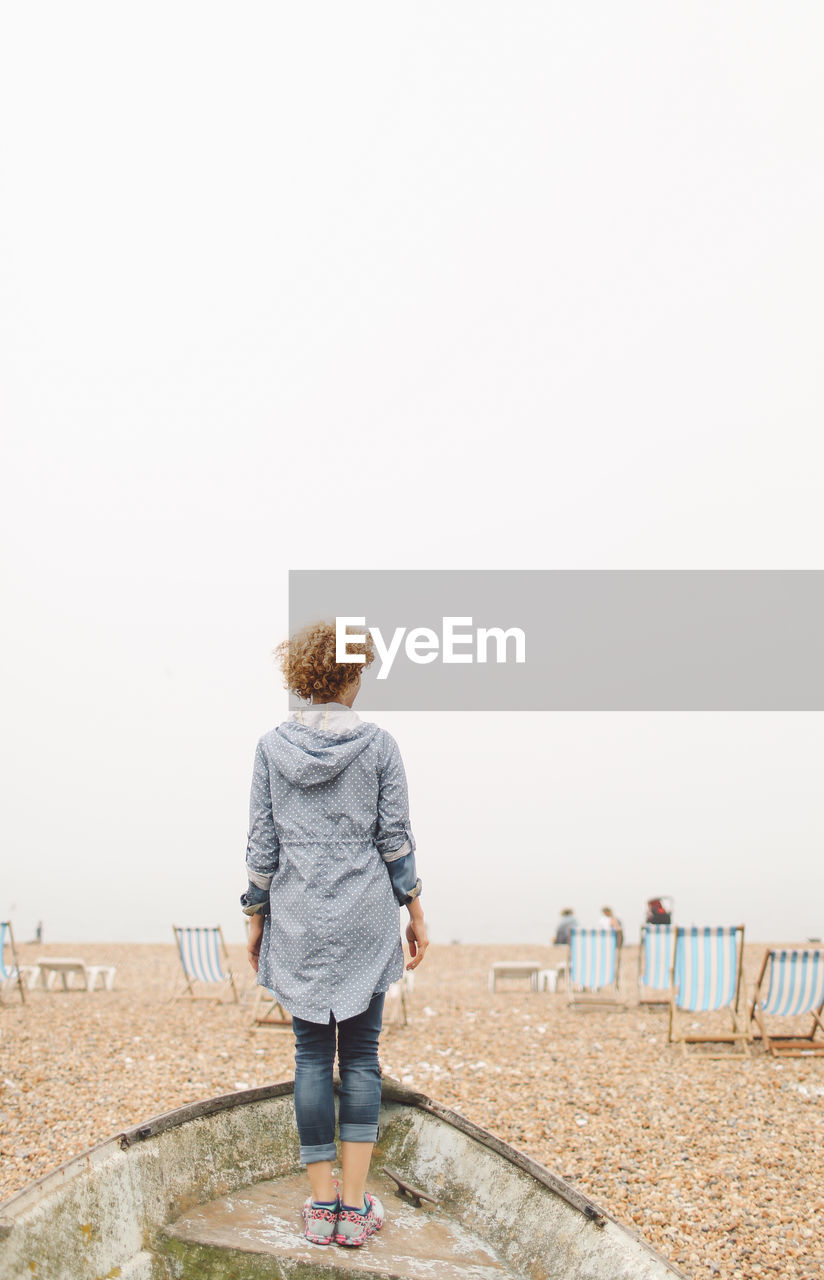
378	286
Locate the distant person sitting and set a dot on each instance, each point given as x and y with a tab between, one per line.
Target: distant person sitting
609	920
566	924
657	912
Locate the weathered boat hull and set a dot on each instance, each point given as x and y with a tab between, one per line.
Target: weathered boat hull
143	1206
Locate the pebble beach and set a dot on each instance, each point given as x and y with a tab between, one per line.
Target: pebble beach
716	1163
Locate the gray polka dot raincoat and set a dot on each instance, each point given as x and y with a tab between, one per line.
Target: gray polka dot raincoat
331	844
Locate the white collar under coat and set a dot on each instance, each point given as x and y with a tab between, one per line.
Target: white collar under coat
334	717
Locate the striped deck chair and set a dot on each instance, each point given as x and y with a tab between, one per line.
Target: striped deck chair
593	967
655	963
10	975
706	978
795	988
202	954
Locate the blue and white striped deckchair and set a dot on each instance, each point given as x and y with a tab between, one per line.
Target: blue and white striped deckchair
795	988
10	974
593	967
655	963
202	953
706	978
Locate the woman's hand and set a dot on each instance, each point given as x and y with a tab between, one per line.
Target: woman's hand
416	935
253	942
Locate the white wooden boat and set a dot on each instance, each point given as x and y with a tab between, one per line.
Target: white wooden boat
212	1191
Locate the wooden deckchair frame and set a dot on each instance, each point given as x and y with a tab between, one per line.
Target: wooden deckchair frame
662	996
6	926
738	1034
228	978
784	1046
400	1003
592	998
267	1011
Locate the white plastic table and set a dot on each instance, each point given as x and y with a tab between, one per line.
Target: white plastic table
549	979
53	967
515	969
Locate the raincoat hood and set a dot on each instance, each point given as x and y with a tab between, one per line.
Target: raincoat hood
308	756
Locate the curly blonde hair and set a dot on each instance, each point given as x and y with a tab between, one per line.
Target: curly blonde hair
310	668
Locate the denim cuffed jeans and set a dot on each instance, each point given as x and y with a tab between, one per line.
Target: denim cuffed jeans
360	1081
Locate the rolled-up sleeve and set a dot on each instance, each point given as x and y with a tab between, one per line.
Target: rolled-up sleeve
393	833
262	848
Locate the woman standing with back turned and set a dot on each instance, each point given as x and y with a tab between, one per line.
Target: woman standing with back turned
330	857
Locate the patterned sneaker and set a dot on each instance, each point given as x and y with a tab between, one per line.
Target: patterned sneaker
321	1220
354	1227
